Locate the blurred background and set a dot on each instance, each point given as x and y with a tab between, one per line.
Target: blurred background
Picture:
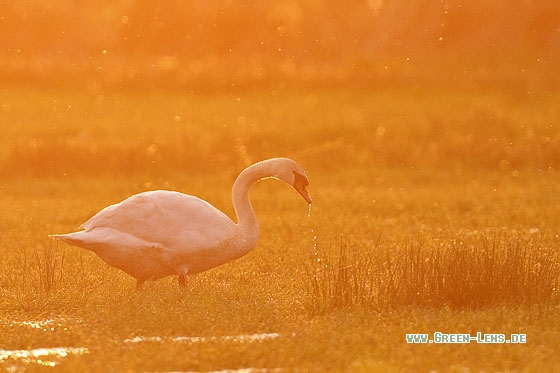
125	86
232	43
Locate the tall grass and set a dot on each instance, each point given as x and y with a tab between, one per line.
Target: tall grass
43	269
463	272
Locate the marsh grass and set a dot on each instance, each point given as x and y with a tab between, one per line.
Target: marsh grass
477	271
43	268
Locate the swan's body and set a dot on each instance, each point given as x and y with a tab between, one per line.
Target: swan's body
156	234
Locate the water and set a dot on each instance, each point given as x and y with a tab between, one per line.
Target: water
315	252
17	360
314	236
44	325
243	338
44	356
49	357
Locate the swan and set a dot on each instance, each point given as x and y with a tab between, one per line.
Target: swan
155	234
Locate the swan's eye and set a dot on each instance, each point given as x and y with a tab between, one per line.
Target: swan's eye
300	179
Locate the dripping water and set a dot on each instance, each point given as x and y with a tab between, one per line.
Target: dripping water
314	236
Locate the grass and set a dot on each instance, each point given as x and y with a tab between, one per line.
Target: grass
71	133
433	211
466	272
45	270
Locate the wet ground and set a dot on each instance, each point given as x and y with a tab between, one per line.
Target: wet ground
52	356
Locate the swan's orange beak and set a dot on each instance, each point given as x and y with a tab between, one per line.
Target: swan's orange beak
300	184
305	195
301	190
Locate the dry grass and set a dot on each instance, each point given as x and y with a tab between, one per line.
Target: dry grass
433	211
47	271
466	272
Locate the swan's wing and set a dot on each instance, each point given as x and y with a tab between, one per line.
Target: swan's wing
178	221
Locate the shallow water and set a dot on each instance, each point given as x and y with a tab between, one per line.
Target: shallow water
226	338
49	357
249	370
43	356
15	360
44	325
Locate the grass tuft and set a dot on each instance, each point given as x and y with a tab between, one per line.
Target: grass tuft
44	271
463	272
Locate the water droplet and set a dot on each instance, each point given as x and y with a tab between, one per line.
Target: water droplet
309	212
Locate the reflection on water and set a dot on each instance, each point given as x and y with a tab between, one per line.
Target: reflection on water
46	356
42	356
15	360
44	325
249	370
226	338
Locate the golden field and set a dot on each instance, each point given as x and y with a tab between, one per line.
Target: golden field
434	210
430	132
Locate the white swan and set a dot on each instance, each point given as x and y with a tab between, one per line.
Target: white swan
160	233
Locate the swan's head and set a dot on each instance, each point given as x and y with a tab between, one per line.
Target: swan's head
291	173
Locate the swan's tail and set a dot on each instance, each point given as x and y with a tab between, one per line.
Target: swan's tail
103	239
87	239
74	239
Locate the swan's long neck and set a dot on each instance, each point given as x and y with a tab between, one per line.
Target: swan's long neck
247	224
